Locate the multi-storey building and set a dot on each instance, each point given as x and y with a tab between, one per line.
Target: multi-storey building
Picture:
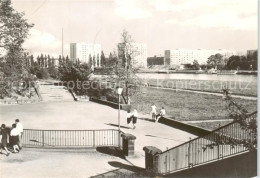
84	52
137	52
251	52
187	56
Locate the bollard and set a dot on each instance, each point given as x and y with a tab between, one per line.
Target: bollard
128	144
151	158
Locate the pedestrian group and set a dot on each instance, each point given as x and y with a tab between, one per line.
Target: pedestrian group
11	138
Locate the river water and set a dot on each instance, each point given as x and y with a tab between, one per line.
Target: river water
212	77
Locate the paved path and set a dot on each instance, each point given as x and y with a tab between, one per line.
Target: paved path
85	115
207	93
53	163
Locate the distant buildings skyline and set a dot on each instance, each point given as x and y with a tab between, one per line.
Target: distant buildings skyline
84	51
187	56
139	54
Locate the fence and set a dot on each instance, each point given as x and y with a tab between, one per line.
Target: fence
228	140
71	138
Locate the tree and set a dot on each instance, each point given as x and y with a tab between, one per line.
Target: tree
13	27
32	60
98	61
94	61
196	65
73	72
49	61
45	62
124	72
102	59
90	60
216	60
67	59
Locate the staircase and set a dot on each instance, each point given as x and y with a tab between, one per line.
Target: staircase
50	92
229	143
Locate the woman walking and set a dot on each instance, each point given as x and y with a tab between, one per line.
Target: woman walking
135	116
15	138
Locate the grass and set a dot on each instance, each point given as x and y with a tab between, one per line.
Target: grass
247	88
211	125
185	106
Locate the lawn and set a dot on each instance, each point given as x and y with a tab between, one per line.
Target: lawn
184	106
247	88
211	125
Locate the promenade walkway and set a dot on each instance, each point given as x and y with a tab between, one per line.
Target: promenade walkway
81	115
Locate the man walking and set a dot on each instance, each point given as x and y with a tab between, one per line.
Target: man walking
19	128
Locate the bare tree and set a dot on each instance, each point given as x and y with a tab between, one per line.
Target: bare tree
124	74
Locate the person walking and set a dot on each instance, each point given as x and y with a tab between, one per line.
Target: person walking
15	138
161	114
129	118
19	127
154	112
135	116
4	139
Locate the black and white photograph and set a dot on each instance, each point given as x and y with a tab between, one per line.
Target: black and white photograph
128	88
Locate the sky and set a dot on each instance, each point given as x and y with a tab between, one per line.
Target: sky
161	24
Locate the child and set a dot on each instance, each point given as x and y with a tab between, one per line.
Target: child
162	113
154	112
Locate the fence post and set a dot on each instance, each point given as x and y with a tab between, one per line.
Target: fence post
189	154
94	138
119	140
218	139
42	138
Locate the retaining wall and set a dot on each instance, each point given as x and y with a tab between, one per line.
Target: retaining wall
184	126
124	107
243	165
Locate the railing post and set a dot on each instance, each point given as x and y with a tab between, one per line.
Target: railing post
42	138
218	140
94	138
119	140
189	154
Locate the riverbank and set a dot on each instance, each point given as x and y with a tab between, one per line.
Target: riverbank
187	71
185	106
244	88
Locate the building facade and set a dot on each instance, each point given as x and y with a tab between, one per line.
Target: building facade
138	53
187	56
251	52
84	52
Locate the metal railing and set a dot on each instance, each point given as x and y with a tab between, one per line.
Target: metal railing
225	141
71	138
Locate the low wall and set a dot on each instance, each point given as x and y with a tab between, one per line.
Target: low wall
243	165
124	107
184	126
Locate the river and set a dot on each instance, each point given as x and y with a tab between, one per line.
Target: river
212	77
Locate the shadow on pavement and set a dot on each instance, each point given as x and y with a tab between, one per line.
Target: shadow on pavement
146	119
115	125
126	166
111	150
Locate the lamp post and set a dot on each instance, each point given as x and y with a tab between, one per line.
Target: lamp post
119	92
